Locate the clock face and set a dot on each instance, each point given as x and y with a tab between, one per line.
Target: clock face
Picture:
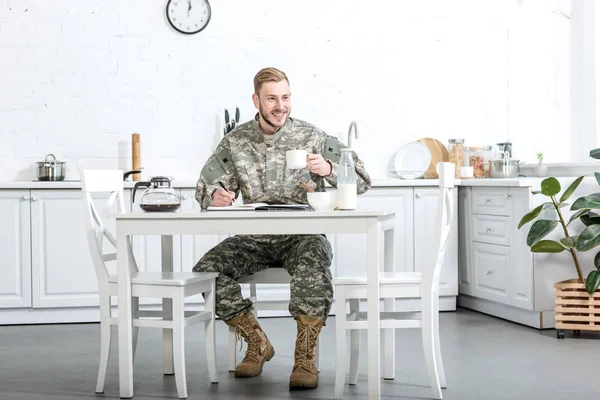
188	16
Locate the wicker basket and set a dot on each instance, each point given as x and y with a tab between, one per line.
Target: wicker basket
575	308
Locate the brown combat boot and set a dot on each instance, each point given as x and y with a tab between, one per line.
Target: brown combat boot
304	375
259	348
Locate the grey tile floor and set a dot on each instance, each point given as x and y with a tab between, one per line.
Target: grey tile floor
485	358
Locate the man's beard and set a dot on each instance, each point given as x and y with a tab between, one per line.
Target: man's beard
268	122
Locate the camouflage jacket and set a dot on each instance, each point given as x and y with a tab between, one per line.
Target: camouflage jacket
244	163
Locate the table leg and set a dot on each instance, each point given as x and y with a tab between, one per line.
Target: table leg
373	324
389	305
125	322
166	244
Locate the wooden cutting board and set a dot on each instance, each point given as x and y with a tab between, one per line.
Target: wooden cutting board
439	153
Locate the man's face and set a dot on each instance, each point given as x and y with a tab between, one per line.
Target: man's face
274	105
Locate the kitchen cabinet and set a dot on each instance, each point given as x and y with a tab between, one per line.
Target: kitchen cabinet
15	247
62	269
497	271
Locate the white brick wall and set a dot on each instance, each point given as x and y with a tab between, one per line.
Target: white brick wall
78	77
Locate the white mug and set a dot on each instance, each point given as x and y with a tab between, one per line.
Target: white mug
296	159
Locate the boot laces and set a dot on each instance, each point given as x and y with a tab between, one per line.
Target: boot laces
305	350
253	344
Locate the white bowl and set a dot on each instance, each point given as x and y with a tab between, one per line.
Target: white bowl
322	201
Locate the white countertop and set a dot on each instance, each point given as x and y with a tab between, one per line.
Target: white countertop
391	182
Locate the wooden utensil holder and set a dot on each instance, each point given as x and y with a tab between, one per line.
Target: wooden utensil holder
136	161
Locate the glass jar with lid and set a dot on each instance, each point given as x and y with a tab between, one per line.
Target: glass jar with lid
479	158
456	152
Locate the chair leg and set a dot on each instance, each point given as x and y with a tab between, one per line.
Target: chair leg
105	333
135	308
437	346
232	349
354	345
179	345
209	334
340	341
167	312
389	340
427	326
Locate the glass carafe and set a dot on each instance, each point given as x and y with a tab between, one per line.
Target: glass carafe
346	181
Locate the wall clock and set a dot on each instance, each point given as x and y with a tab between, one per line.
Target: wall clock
188	16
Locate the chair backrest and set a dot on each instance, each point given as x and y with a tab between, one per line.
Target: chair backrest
444	216
107	182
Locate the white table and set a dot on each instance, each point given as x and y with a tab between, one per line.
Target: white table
375	224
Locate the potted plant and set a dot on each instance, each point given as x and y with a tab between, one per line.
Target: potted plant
575	303
540	170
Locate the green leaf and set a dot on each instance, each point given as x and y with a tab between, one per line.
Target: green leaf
547	246
588	238
531	215
577	215
568	242
595	153
550	186
590	219
539	229
597	260
570	189
591	201
597	175
592	282
535	192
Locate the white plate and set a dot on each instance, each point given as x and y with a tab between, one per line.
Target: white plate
412	160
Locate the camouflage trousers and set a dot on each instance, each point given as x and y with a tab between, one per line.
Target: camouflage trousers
306	258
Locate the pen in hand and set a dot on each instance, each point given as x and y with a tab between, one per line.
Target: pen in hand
223	186
224	197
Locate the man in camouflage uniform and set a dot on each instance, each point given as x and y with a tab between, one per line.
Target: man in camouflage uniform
251	160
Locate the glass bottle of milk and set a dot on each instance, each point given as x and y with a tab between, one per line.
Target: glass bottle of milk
346	181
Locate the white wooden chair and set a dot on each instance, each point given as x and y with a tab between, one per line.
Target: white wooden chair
394	285
173	287
269	276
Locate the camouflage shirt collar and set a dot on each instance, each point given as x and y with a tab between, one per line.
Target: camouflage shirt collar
285	128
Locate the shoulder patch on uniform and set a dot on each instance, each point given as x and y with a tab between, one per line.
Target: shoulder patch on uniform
332	149
218	165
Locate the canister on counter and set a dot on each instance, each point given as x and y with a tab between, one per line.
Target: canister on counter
479	157
456	153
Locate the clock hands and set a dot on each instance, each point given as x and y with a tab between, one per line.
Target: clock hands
189	7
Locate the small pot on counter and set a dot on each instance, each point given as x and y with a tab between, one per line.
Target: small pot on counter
504	168
50	169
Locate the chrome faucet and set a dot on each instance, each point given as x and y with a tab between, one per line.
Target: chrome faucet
352	125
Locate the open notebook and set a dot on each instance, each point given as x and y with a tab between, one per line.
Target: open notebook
261	207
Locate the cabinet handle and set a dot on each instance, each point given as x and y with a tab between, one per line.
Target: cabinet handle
488	230
34	198
508	196
418	195
185	196
490	272
488	201
25	197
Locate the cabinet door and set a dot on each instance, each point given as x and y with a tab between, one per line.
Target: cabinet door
193	247
465	269
521	261
425	206
62	270
351	250
15	247
491	264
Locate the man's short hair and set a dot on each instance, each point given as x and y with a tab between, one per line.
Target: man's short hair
268	74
